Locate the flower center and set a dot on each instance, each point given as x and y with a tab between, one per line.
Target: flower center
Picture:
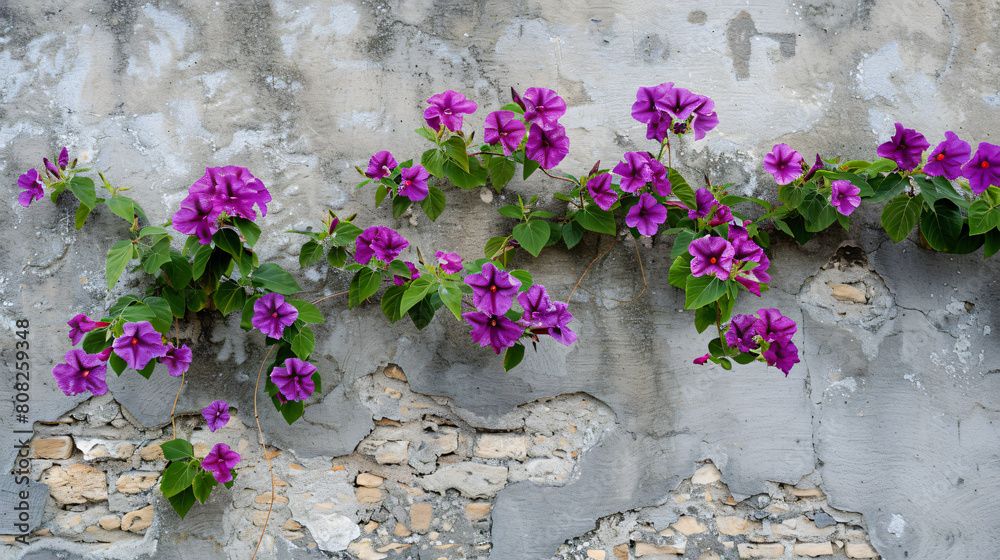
447	111
713	260
940	157
985	164
407	183
493	322
86	373
135	341
493	288
275	314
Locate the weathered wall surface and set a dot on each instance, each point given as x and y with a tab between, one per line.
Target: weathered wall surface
881	442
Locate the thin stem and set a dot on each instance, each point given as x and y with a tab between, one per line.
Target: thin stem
329	296
486	154
172	424
613	241
545	171
270	467
670	163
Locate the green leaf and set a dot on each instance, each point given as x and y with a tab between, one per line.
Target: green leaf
158	256
337	257
201	256
555	234
422	313
935	188
345	234
451	296
880	165
966	243
121	304
434	204
177	449
433	161
680	271
399	205
513	356
680	188
704	317
983	217
887	187
82	212
942	226
572	233
121	206
273	278
311	253
196	299
249	230
475	177
248	312
427	133
304	343
530	166
744	358
117	364
163	317
792	194
308	313
681	244
511	211
494	246
702	290
229	241
380	193
83	189
992	243
418	289
202	485
182	502
177	271
593	218
853	178
502	170
363	286
175	300
118	258
818	212
148	370
177	478
525	277
229	297
795	225
292	411
137	312
532	236
900	215
455	148
391	299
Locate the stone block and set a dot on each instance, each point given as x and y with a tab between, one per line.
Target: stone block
478	512
420	517
110	523
60	447
392	452
646	549
813	549
138	520
136	481
369	480
688	525
706	474
76	484
732	525
369	495
502	446
860	550
763	550
473	480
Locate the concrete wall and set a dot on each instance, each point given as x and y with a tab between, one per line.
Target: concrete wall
881	442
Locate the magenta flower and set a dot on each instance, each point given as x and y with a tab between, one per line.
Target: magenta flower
661	184
600	190
52	168
705	118
741	332
81	372
783	355
63	158
949	156
80	325
844	196
197	216
505	128
705	202
773	326
659	128
216	414
678	102
413	184
380	242
138	344
556	319
294	380
334	222
34	188
493	290
450	262
177	360
516	98
812	170
721	215
644	109
232	190
271	314
635	171
784	163
495	331
543	107
547	146
380	165
647	215
700	360
983	169
400	280
712	255
447	108
904	148
536	304
220	462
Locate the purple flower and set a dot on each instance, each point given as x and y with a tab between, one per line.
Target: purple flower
197	216
34	188
712	255
700	360
705	202
52	168
644	109
705	118
812	170
493	290
784	163
844	196
232	190
216	414
983	169
661	184
447	108
543	107
547	146
495	331
647	215
400	280
635	171
271	314
773	326
556	319
177	360
220	462
904	148
138	344
450	262
948	157
516	98
334	222
80	325
380	242
741	332
63	158
658	128
678	102
784	355
380	165
413	184
81	372
294	380
721	215
505	128
600	190
536	304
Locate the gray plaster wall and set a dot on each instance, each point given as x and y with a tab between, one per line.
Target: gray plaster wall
895	404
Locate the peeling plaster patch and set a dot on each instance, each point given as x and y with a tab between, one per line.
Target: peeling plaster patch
171	32
875	73
847	383
992	100
896	526
74	74
12	77
912	378
213	81
234	341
